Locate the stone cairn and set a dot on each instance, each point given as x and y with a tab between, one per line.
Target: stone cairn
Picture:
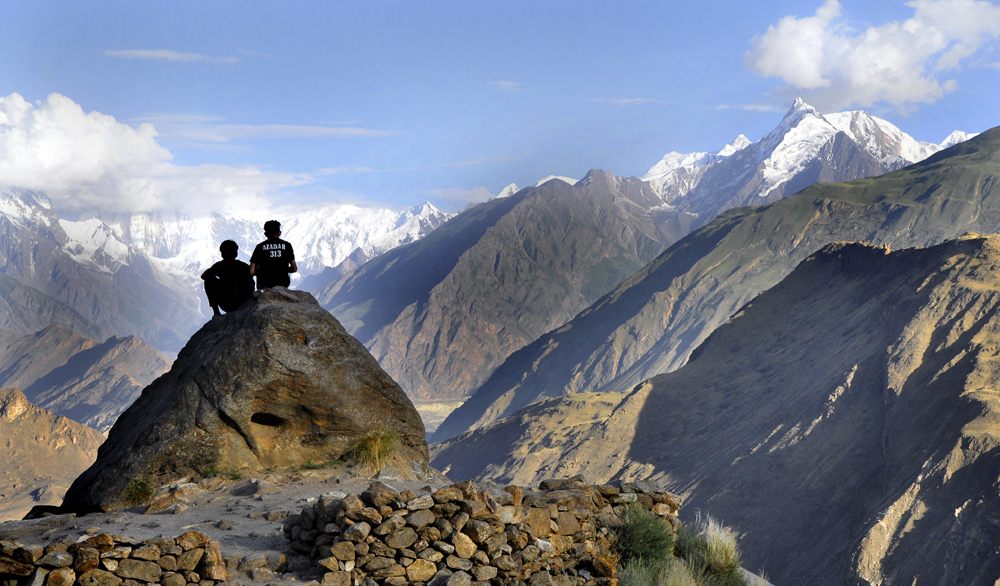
463	535
111	560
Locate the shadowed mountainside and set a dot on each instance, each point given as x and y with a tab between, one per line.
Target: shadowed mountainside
442	313
845	422
653	320
88	381
25	310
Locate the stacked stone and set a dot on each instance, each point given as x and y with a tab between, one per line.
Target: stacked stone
111	560
464	535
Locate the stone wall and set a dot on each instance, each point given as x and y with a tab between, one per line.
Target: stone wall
461	535
112	560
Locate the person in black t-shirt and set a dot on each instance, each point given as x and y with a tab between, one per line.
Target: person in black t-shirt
228	282
273	259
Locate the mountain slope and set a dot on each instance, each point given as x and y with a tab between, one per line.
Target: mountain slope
74	376
846	422
441	313
25	309
650	323
42	455
123	298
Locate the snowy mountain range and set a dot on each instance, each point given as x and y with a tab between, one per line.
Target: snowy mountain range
805	148
184	246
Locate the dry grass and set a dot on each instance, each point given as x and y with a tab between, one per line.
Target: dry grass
721	551
644	573
372	449
711	553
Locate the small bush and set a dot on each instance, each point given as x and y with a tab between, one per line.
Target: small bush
138	491
722	553
234	475
711	554
372	449
644	536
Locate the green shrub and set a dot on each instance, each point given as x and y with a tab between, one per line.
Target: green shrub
372	449
643	536
138	491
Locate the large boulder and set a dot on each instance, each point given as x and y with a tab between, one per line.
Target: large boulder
277	383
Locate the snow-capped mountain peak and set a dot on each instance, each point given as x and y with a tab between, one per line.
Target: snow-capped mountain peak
569	180
508	191
739	144
26	208
805	146
957	137
798	110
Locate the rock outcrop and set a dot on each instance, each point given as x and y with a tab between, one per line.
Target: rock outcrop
41	455
277	383
846	422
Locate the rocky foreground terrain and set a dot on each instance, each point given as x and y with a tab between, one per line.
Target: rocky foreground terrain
844	421
328	526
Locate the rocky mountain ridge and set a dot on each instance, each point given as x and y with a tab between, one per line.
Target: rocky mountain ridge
136	299
42	454
74	376
858	392
651	322
441	313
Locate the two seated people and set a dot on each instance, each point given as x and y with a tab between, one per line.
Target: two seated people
229	282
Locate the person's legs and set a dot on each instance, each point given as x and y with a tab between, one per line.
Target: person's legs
213	294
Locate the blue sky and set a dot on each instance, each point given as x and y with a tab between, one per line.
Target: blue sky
395	103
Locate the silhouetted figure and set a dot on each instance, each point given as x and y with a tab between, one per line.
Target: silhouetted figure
273	259
228	282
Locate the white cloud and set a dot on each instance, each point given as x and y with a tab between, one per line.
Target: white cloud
91	162
507	86
166	55
628	101
899	63
750	107
342	169
215	130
